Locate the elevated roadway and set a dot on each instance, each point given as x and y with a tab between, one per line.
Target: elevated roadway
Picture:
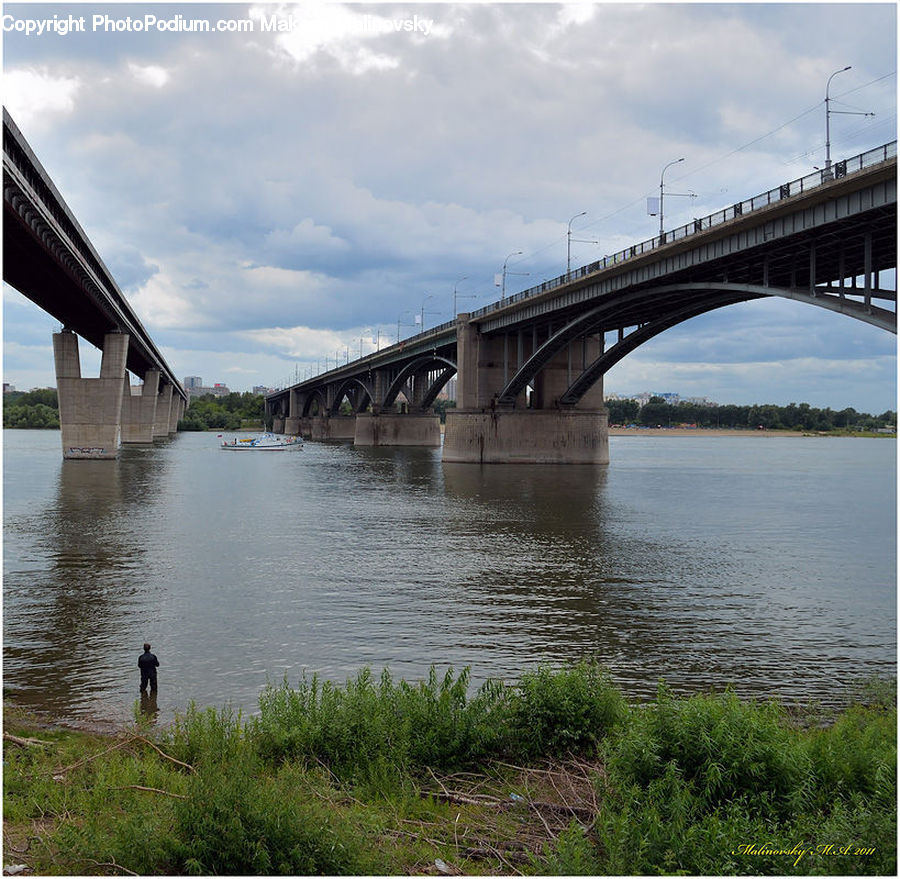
49	258
827	239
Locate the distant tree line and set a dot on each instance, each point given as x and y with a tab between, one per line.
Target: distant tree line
231	412
39	409
794	416
31	409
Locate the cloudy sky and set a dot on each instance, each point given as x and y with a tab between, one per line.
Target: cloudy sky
268	199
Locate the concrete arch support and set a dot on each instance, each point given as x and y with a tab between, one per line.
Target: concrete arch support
90	409
139	408
163	412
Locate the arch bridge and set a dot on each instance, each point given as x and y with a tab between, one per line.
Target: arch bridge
529	368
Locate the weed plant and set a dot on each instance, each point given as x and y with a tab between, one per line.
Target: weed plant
328	779
358	728
714	785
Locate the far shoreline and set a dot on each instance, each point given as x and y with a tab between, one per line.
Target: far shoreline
731	432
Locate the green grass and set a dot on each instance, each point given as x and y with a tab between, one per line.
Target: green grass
557	775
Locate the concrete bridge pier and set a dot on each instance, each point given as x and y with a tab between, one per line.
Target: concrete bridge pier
526	436
394	429
479	432
175	412
90	409
336	427
139	408
161	424
291	422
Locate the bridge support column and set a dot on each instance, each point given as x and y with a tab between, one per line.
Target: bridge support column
175	413
163	409
337	427
553	380
526	436
292	419
484	364
389	429
139	409
90	409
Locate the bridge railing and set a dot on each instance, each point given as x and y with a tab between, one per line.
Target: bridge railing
784	191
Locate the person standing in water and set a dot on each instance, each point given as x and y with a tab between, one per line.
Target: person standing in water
148	664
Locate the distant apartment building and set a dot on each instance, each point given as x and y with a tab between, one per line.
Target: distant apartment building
8	389
194	386
671	398
262	390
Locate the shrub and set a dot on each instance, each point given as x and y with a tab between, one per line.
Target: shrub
206	736
572	709
723	747
236	824
353	728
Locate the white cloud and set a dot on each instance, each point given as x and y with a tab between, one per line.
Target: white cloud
35	95
331	29
151	74
300	343
162	304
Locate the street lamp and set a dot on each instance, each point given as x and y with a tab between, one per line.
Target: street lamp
569	242
828	117
661	232
455	296
828	113
503	282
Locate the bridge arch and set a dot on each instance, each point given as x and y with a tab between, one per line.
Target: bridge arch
364	395
317	396
692	300
417	366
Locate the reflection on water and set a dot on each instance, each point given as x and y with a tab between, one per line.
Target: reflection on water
149	706
768	564
73	573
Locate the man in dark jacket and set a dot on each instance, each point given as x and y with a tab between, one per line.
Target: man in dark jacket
148	664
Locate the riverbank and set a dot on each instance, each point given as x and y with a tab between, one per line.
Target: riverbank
558	775
730	432
701	431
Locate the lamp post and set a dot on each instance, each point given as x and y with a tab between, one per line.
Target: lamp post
569	242
662	174
828	116
503	282
455	296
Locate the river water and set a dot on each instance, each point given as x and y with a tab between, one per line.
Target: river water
763	562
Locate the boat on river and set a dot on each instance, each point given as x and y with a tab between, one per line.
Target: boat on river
267	442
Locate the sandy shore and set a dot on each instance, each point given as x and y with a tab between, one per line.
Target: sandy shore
699	431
